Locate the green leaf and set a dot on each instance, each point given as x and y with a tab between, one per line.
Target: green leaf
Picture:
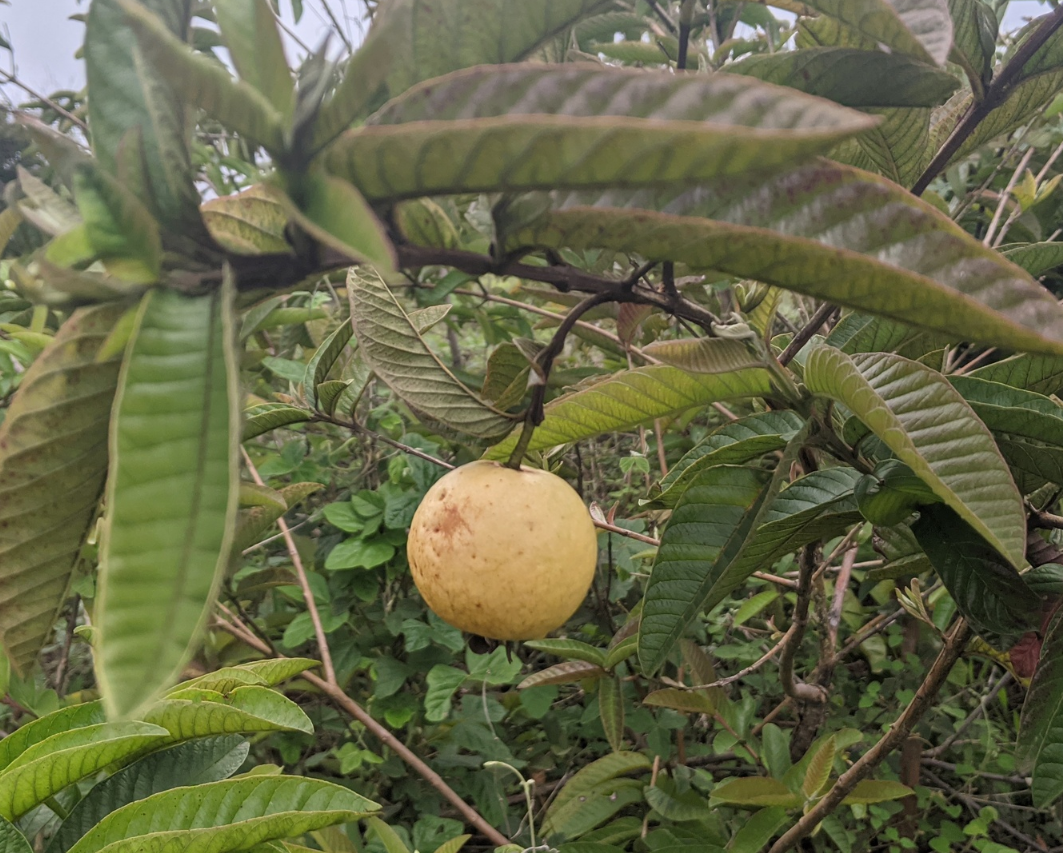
47	767
1041	724
274	671
232	814
631	397
251	222
399	356
563	673
250	32
932	429
611	709
53	461
317	369
128	93
579	126
65	719
204	83
918	28
852	78
1036	258
684	701
359	554
898	147
974	41
870	791
821	229
687	806
196	712
252	523
223	680
274	418
988	592
387	836
506	380
819	768
594	794
171	494
334	212
195	763
11	840
734	443
704	355
453	845
1042	374
569	649
442	682
705	534
758	830
754	606
755	791
863	333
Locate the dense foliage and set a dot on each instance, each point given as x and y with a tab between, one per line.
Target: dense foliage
774	286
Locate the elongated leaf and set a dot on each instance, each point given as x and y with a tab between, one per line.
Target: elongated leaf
569	649
127	93
708	527
819	768
171	495
877	791
334	212
756	832
822	229
11	840
611	708
273	671
602	770
931	428
317	369
527	127
195	763
988	592
1042	374
755	791
1036	258
65	719
225	814
595	793
196	712
250	223
397	354
899	146
253	38
917	28
633	397
273	418
731	444
1041	723
974	41
853	78
67	757
704	355
684	701
563	673
863	333
203	83
53	461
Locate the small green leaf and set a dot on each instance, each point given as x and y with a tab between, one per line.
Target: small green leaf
684	701
755	791
569	649
273	418
932	429
819	768
870	791
172	494
317	369
611	709
563	673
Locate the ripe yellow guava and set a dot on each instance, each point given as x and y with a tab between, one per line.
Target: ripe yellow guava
501	553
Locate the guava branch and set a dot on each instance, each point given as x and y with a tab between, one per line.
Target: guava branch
346	703
955	643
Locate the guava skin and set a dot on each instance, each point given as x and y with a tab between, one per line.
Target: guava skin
505	554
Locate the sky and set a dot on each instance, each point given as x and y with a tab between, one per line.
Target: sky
46	41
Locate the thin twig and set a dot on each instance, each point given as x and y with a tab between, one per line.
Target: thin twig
955	643
1004	196
304	583
381	733
841	584
5	77
800	690
979	709
823	315
62	670
742	673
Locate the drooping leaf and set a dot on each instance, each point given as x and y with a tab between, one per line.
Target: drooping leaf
611	709
527	127
399	356
506	381
67	757
193	712
227	815
194	763
632	397
974	39
127	92
249	223
918	28
204	83
250	32
707	529
822	229
932	429
171	495
988	592
334	212
1041	724
734	443
53	461
853	78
